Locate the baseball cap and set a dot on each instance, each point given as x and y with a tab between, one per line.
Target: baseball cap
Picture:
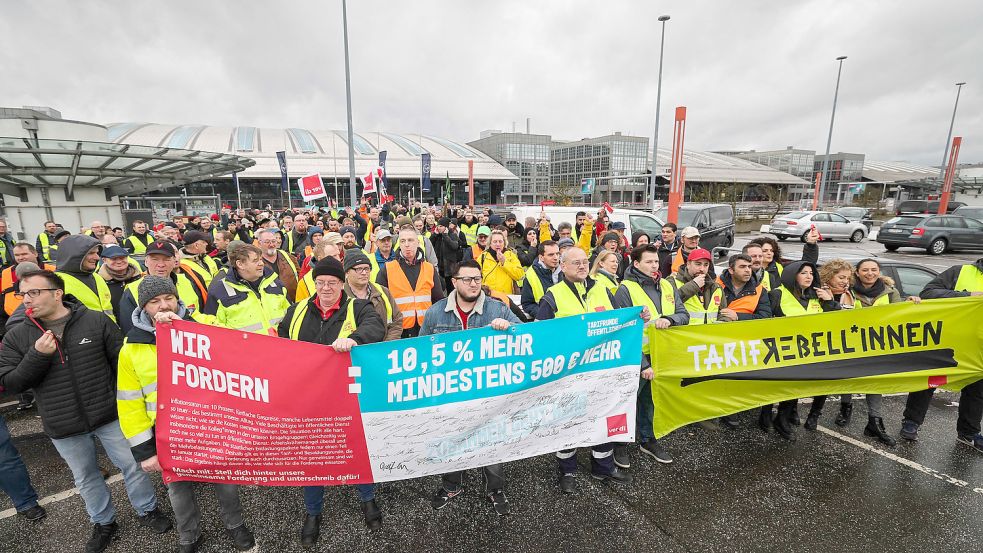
114	251
193	236
565	242
164	247
699	253
382	234
484	230
618	225
689	232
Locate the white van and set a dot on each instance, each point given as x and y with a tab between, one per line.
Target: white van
634	220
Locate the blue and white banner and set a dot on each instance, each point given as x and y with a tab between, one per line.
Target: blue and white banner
385	178
425	172
467	399
281	158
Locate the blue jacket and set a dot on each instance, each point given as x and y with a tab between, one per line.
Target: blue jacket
443	316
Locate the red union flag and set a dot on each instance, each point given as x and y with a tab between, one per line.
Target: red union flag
311	187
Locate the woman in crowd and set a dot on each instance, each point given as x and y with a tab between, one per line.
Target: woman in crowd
527	248
639	238
500	267
798	295
605	269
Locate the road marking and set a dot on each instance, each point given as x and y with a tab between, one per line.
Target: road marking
901	460
60	496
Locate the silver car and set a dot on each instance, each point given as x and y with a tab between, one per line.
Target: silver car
830	226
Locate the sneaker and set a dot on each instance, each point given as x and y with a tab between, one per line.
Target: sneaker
568	483
372	515
102	536
499	502
617	476
621	457
156	521
443	497
190	547
974	441
909	430
242	537
654	449
33	514
25	403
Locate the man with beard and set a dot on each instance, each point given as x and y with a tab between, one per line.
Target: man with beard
279	262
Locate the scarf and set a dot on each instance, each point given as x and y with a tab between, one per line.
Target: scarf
873	292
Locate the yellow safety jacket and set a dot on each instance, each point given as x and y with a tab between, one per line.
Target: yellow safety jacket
185	291
792	308
298	319
604	280
101	302
138	246
136	391
205	274
470	232
584	301
241	308
48	249
970	279
667	303
698	313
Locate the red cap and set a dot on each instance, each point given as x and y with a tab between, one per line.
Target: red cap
214	216
699	253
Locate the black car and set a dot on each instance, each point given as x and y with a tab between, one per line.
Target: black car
714	221
935	233
924	206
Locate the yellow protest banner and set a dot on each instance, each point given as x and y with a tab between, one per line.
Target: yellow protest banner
707	371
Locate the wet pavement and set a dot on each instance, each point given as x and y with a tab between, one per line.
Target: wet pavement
743	490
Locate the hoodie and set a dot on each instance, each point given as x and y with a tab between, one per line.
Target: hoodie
789	286
71	252
944	285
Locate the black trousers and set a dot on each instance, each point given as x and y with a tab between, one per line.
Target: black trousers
970	408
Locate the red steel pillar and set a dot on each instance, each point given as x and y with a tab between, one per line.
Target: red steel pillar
950	175
677	177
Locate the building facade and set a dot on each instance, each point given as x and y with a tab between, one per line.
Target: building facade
842	168
618	165
527	156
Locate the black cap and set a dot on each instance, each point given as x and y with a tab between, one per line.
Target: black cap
193	236
165	247
329	266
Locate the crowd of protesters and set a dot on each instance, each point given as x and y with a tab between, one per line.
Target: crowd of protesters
81	311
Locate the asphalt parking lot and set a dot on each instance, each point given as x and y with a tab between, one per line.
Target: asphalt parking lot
742	490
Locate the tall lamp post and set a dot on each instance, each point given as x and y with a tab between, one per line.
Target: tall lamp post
348	91
829	139
658	101
948	138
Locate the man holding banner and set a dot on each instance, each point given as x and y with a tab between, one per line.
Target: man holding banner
958	281
333	319
467	307
661	307
577	294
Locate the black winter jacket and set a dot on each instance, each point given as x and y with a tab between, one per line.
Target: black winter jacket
75	396
369	328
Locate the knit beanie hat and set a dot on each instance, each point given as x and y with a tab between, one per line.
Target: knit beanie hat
329	266
152	286
354	259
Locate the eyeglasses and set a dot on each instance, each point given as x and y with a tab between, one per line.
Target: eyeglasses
362	270
325	284
469	280
32	293
581	263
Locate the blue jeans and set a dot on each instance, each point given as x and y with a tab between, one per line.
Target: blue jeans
80	454
14	479
314	497
644	411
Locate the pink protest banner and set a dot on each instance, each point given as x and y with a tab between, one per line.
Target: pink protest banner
244	408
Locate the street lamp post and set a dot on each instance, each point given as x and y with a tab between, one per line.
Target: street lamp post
658	101
348	91
829	139
948	138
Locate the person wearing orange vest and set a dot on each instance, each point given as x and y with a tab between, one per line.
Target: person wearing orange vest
475	250
744	295
690	239
23	253
412	281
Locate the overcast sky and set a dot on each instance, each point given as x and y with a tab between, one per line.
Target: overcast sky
753	74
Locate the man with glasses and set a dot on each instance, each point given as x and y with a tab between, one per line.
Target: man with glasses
333	318
250	297
281	263
68	354
464	308
577	294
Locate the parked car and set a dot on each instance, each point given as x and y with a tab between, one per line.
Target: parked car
909	278
714	221
858	215
924	206
935	233
830	226
633	219
971	211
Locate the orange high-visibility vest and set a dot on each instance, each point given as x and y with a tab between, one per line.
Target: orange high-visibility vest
746	304
677	261
7	281
413	302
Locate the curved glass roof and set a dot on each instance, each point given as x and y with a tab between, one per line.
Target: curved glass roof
124	168
406	144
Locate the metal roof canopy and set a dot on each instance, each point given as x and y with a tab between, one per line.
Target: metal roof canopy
123	168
